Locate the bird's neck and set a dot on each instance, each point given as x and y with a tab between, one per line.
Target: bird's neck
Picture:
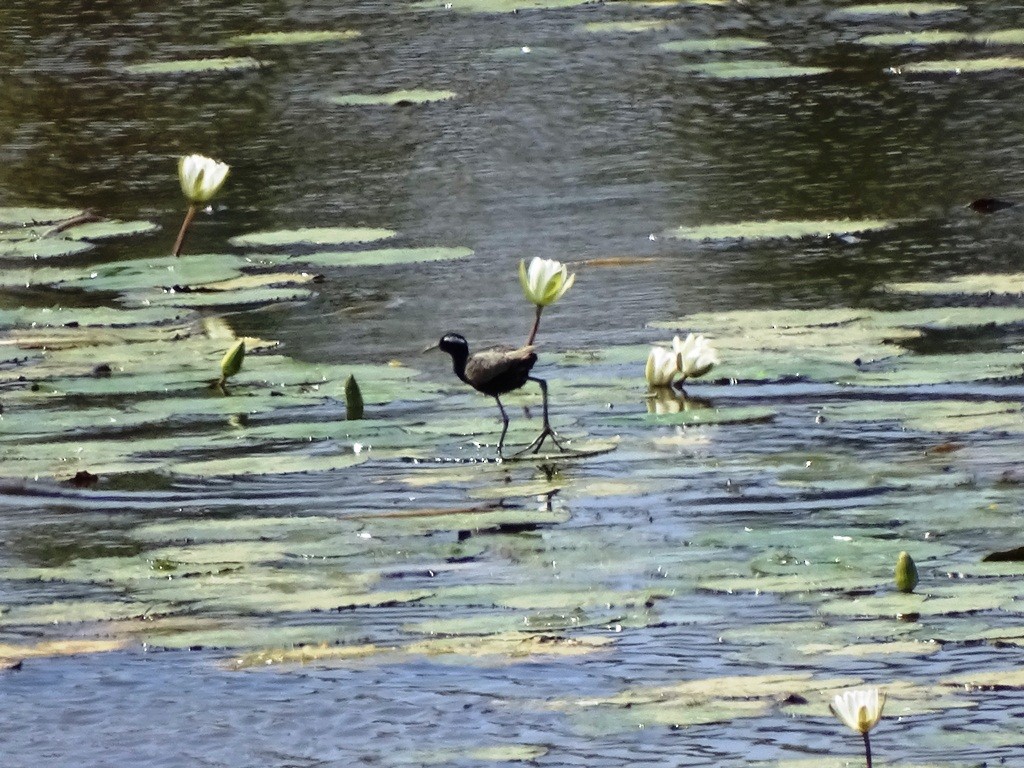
459	358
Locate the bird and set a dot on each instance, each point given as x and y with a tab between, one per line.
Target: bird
496	371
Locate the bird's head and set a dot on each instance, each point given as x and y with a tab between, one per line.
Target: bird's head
454	344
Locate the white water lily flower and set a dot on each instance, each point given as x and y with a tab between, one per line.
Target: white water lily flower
695	356
201	177
661	367
545	281
860	709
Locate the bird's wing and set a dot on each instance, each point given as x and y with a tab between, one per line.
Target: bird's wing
492	363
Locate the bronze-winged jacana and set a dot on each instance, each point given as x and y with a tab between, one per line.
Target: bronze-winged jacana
496	371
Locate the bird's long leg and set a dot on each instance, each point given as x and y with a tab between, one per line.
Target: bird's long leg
504	425
547	431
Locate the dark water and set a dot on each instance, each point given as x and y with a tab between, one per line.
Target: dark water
581	149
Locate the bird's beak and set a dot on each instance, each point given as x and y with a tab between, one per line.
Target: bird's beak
431	348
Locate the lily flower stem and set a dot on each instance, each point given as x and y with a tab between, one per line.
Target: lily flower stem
867	748
191	214
536	325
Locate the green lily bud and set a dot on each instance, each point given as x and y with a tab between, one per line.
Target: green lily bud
231	363
906	573
353	399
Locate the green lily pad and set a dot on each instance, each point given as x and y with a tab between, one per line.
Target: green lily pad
27	216
55	317
262	463
247	297
965	598
981	284
156	272
72	612
961	66
496	6
43	248
284	238
698	417
295	38
898	9
240	637
382	257
776	230
106	230
955	416
922	37
194	66
751	70
713	45
237	529
632	26
391	98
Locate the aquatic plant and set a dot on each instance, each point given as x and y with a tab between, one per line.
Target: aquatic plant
861	710
689	358
694	356
906	573
662	367
544	282
231	363
201	179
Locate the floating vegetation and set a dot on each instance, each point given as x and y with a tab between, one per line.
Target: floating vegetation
923	37
379	257
398	98
960	66
775	230
751	70
310	37
977	285
25	216
194	66
713	45
286	238
496	6
898	9
627	27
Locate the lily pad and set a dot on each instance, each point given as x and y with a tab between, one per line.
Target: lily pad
285	238
295	38
195	66
632	26
391	98
106	230
978	284
242	297
921	37
263	463
27	216
751	70
775	230
13	654
961	66
898	9
41	248
713	45
497	6
382	257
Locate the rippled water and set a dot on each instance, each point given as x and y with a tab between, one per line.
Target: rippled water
582	148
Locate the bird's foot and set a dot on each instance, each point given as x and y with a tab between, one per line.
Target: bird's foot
535	446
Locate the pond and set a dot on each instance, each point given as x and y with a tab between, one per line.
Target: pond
242	576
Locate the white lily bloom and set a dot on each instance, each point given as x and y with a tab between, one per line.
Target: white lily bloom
201	177
860	709
661	367
695	356
545	281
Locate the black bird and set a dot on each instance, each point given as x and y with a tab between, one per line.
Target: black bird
496	371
